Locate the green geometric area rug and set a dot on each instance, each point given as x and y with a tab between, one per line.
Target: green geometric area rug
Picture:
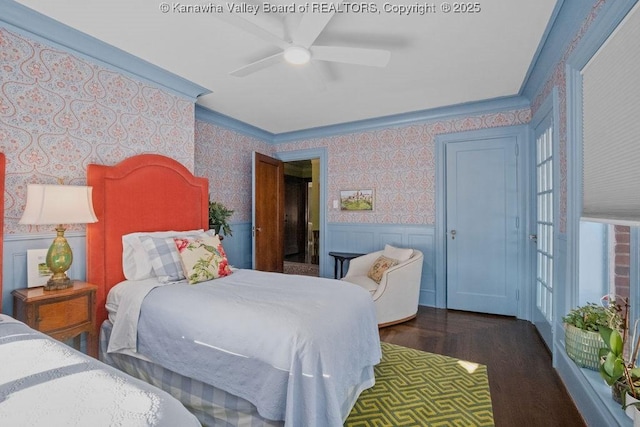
415	388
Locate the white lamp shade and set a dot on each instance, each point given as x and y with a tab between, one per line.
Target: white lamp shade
58	204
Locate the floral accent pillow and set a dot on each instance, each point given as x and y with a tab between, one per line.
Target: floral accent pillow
378	268
202	258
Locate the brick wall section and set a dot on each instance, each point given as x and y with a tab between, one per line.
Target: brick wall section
622	248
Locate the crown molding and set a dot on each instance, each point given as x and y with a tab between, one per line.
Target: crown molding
207	115
404	119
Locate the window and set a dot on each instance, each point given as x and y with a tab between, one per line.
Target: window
605	261
610	173
611	129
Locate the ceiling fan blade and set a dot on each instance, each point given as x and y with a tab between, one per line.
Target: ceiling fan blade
311	25
238	21
351	55
289	24
258	65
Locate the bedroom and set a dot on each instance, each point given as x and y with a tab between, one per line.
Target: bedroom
578	24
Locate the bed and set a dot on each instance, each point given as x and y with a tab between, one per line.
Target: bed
45	382
247	348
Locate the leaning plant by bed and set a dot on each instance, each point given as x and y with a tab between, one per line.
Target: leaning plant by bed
218	216
582	337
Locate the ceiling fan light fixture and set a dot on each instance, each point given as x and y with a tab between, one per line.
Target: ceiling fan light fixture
297	55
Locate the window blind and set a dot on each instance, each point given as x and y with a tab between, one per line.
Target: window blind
611	127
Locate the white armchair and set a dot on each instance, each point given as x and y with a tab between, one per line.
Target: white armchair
396	296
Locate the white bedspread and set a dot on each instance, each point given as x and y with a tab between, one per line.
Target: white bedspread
301	349
124	301
46	383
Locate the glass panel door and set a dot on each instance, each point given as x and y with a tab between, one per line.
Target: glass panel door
544	238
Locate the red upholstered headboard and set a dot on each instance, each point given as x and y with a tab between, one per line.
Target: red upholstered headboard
147	192
2	172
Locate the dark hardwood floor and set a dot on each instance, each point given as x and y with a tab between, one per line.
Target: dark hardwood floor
525	390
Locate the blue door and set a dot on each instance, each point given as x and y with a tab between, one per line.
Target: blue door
482	225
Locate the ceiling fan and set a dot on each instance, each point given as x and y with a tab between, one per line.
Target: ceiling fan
298	44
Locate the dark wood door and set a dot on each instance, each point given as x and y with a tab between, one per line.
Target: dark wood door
268	213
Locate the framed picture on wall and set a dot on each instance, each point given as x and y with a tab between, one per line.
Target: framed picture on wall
356	200
37	271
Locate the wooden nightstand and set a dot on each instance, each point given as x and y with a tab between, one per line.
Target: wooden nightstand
62	314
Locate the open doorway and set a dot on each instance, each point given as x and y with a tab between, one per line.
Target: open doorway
302	217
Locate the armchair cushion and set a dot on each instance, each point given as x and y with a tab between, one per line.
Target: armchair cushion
399	254
363	282
397	293
378	268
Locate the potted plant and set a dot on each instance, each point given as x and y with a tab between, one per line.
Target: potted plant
633	411
613	368
619	371
582	338
218	216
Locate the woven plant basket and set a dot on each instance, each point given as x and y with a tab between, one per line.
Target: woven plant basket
583	346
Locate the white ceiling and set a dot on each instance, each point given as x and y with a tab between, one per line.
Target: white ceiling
437	59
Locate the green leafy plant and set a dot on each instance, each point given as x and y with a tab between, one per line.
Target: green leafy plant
591	317
218	216
614	366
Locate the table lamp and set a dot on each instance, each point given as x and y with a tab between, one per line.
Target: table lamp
58	204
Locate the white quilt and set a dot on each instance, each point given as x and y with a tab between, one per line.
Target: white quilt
301	349
46	383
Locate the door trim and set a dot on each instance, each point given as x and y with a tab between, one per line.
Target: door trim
307	154
522	135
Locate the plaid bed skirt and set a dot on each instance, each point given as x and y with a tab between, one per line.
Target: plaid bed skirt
212	406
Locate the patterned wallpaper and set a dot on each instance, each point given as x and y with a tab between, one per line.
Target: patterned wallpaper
398	163
59	113
224	157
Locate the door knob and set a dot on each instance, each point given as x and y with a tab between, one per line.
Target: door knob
453	234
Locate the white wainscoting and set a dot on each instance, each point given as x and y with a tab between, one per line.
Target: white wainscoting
340	237
349	237
237	247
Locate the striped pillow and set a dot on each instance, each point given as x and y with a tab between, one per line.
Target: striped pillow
164	257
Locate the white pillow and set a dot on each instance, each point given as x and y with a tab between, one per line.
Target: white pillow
136	264
397	253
